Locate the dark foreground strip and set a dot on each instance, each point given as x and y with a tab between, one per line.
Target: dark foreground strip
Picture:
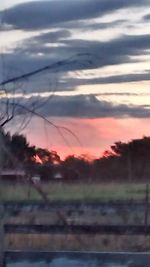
15	208
101	259
77	229
70	203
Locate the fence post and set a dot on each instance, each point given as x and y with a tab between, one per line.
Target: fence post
2	249
146	205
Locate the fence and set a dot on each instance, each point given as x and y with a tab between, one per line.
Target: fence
75	229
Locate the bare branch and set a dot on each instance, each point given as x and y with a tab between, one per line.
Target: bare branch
48	67
57	127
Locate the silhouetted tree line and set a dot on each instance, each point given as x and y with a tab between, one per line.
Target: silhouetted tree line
122	162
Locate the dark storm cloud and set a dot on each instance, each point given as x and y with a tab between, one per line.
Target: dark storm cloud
79	106
125	45
75	55
147	17
44	14
88	106
43	43
86	54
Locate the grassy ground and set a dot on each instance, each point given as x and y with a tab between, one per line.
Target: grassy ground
80	191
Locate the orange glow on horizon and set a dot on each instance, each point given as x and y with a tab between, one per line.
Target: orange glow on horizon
37	159
95	135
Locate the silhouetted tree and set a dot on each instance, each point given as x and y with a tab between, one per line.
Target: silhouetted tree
76	168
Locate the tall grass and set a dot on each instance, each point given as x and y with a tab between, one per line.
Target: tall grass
76	191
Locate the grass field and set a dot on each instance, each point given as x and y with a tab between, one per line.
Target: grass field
80	192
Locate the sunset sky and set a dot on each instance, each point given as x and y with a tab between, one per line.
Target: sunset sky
98	84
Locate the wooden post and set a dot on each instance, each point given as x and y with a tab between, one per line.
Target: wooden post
129	165
2	249
146	205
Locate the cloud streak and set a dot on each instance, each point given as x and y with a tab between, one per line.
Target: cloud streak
44	14
114	79
86	106
62	44
84	55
